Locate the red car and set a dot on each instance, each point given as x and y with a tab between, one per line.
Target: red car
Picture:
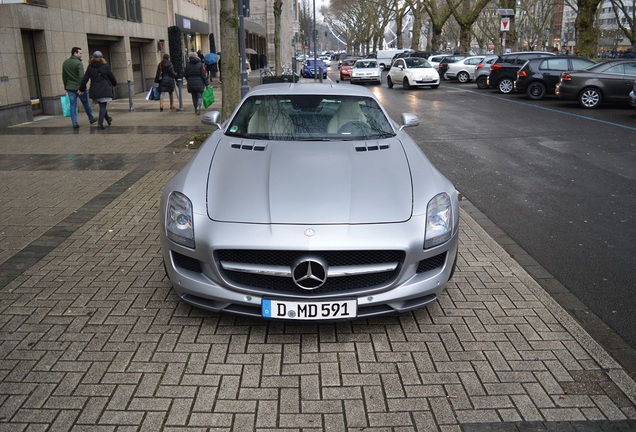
345	68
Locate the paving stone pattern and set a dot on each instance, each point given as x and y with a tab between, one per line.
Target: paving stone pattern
92	338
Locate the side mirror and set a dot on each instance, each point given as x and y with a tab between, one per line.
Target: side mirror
212	118
409	120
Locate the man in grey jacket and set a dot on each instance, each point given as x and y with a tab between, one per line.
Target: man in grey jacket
72	74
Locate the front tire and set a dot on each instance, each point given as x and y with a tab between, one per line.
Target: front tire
405	84
506	86
590	98
463	77
389	82
536	91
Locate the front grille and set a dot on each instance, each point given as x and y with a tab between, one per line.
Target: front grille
186	262
333	258
431	263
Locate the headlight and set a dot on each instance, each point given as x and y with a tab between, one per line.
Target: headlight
179	226
439	220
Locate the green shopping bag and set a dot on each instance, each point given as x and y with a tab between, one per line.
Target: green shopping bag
66	106
208	97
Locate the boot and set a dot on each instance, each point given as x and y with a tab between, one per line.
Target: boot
161	105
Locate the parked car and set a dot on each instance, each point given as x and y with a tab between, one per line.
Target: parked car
345	68
384	57
609	81
442	67
503	72
435	59
366	71
311	67
412	72
538	77
482	70
400	55
463	70
309	203
326	60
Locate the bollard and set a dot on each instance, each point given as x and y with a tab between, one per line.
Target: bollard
130	96
320	70
179	86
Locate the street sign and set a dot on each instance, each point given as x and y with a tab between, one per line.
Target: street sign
505	24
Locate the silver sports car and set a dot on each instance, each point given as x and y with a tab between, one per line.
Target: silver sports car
309	203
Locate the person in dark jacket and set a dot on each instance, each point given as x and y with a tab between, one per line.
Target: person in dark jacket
165	77
197	80
102	82
72	74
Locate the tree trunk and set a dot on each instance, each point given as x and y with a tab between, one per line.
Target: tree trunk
278	8
417	29
465	36
230	61
585	35
436	37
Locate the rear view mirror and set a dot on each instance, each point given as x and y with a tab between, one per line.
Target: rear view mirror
212	118
409	120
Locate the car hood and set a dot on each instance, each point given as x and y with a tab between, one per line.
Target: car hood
329	182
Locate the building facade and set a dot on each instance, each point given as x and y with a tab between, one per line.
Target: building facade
36	36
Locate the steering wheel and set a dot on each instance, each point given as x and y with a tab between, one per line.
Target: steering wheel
355	127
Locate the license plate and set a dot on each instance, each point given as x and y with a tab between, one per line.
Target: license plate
309	310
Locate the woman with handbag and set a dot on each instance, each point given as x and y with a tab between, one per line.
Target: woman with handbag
197	80
165	77
102	83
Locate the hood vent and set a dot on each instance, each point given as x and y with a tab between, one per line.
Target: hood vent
253	146
372	146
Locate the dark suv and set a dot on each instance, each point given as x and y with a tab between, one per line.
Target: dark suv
503	72
443	64
539	76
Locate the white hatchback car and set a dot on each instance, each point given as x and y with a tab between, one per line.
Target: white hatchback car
464	70
412	72
365	71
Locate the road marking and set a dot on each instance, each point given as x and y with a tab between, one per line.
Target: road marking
549	109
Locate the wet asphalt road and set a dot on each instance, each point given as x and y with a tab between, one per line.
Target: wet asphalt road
560	180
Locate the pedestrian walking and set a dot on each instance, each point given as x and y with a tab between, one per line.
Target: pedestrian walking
102	82
197	80
72	74
165	77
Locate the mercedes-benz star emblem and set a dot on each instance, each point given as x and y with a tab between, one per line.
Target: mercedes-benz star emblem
309	273
309	232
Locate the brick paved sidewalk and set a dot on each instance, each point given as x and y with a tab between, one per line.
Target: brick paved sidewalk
93	339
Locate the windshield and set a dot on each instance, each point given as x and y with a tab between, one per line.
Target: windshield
417	62
310	118
366	64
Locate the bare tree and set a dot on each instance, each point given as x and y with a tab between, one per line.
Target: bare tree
438	12
534	23
230	63
626	10
466	13
486	29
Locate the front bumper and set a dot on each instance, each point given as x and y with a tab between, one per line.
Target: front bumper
361	79
199	278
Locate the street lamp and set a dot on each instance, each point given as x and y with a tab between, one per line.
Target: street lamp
315	47
245	87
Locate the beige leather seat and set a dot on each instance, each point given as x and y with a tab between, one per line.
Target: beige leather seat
348	111
269	119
